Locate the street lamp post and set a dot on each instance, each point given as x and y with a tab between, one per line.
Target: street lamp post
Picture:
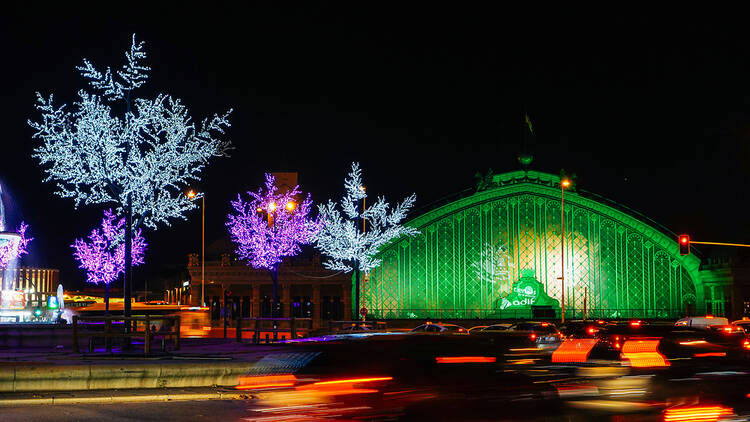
192	194
564	183
270	210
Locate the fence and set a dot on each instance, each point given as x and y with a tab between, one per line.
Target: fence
268	326
334	326
528	313
129	329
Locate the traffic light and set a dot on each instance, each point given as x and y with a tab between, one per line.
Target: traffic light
684	241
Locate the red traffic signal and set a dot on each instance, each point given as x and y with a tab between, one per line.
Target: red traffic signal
684	241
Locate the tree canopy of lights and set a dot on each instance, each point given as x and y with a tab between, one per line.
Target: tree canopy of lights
270	226
14	249
137	154
350	246
103	254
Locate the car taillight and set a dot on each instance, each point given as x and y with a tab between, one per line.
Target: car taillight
533	336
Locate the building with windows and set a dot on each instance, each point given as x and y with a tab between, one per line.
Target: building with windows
306	289
500	253
36	283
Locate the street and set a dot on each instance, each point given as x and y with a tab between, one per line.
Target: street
494	377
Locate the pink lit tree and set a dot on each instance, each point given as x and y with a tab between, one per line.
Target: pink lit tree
15	249
103	255
271	226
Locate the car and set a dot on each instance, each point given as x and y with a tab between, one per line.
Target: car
582	328
544	334
439	328
476	329
701	322
496	328
354	328
744	323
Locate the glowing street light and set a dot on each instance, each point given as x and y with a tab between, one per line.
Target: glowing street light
564	183
192	195
290	206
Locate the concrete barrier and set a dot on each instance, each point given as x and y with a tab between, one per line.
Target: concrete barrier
28	378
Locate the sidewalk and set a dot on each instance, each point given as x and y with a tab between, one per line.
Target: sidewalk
200	363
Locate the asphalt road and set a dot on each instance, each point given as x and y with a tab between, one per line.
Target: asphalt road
461	378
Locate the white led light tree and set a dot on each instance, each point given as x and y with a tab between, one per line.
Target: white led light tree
136	154
353	239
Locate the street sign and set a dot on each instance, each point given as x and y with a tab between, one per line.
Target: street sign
363	311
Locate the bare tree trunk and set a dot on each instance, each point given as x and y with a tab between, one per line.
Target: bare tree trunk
275	300
106	299
127	283
355	311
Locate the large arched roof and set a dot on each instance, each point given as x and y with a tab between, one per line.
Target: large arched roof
525	182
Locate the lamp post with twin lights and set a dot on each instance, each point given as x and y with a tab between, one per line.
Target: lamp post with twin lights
271	210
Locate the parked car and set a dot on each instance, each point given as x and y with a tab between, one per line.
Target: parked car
439	328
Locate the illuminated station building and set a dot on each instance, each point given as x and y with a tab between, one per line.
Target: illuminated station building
497	254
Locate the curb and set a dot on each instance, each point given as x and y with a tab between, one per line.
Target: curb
219	395
30	378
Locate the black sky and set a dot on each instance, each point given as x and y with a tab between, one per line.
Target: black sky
652	111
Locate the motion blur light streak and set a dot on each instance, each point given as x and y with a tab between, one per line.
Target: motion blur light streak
573	350
643	353
709	354
696	413
692	342
266	381
465	359
353	381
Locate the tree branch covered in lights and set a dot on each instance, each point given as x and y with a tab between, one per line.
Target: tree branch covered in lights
149	152
137	154
15	247
343	238
103	254
271	226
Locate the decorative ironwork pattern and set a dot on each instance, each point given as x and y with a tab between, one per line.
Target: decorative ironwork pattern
470	252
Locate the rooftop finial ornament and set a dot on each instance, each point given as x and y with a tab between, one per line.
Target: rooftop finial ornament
525	159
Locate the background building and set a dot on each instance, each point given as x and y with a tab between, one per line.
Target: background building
307	290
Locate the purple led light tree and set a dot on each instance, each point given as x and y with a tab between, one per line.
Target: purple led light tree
271	226
11	250
103	255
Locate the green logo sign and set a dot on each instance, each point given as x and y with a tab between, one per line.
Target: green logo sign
526	292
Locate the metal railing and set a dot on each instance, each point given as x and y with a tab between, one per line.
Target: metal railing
540	313
273	326
121	331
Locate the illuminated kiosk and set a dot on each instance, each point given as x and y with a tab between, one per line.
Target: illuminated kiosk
481	256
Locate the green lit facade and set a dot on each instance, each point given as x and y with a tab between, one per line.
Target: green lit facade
497	254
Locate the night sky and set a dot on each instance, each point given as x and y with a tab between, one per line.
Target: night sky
650	111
